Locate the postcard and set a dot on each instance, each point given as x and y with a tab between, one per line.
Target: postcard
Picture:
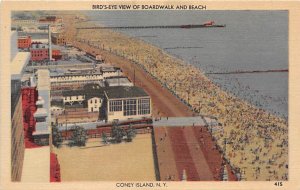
159	95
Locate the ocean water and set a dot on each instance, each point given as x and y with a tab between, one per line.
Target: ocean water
251	40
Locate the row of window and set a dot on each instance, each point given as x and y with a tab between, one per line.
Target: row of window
77	97
74	81
144	106
37	55
130	106
23	42
40	119
115	105
39	51
71	77
95	101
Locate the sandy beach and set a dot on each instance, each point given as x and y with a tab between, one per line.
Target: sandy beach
256	141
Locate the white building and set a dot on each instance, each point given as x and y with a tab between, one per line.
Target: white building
118	81
122	103
56	110
77	78
23	22
71	97
42	114
94	104
84	76
91	97
111	72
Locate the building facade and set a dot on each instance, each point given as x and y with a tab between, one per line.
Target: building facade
56	54
123	103
17	132
24	42
73	97
39	52
23	22
94	104
77	78
50	20
58	39
91	97
19	61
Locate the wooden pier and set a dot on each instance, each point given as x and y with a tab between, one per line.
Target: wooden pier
156	26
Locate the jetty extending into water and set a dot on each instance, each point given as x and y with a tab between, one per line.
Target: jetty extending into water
155	26
247	72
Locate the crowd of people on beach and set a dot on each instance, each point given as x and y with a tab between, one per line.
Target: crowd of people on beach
255	142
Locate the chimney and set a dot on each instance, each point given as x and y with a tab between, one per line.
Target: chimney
184	176
49	42
32	81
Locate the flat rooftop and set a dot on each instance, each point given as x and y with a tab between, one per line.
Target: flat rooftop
125	92
36	166
39	46
19	63
41	112
41	40
34	35
43	79
108	69
24	37
120	81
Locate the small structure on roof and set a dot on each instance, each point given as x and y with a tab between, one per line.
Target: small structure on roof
118	81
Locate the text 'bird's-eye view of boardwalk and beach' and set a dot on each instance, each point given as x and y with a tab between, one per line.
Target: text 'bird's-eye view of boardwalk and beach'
149	96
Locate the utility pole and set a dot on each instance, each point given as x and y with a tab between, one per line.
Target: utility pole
188	93
49	43
175	85
225	143
118	77
133	76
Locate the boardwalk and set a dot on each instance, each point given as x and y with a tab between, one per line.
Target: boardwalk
177	150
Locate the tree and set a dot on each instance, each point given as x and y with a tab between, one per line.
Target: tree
104	138
117	133
56	136
79	136
130	133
